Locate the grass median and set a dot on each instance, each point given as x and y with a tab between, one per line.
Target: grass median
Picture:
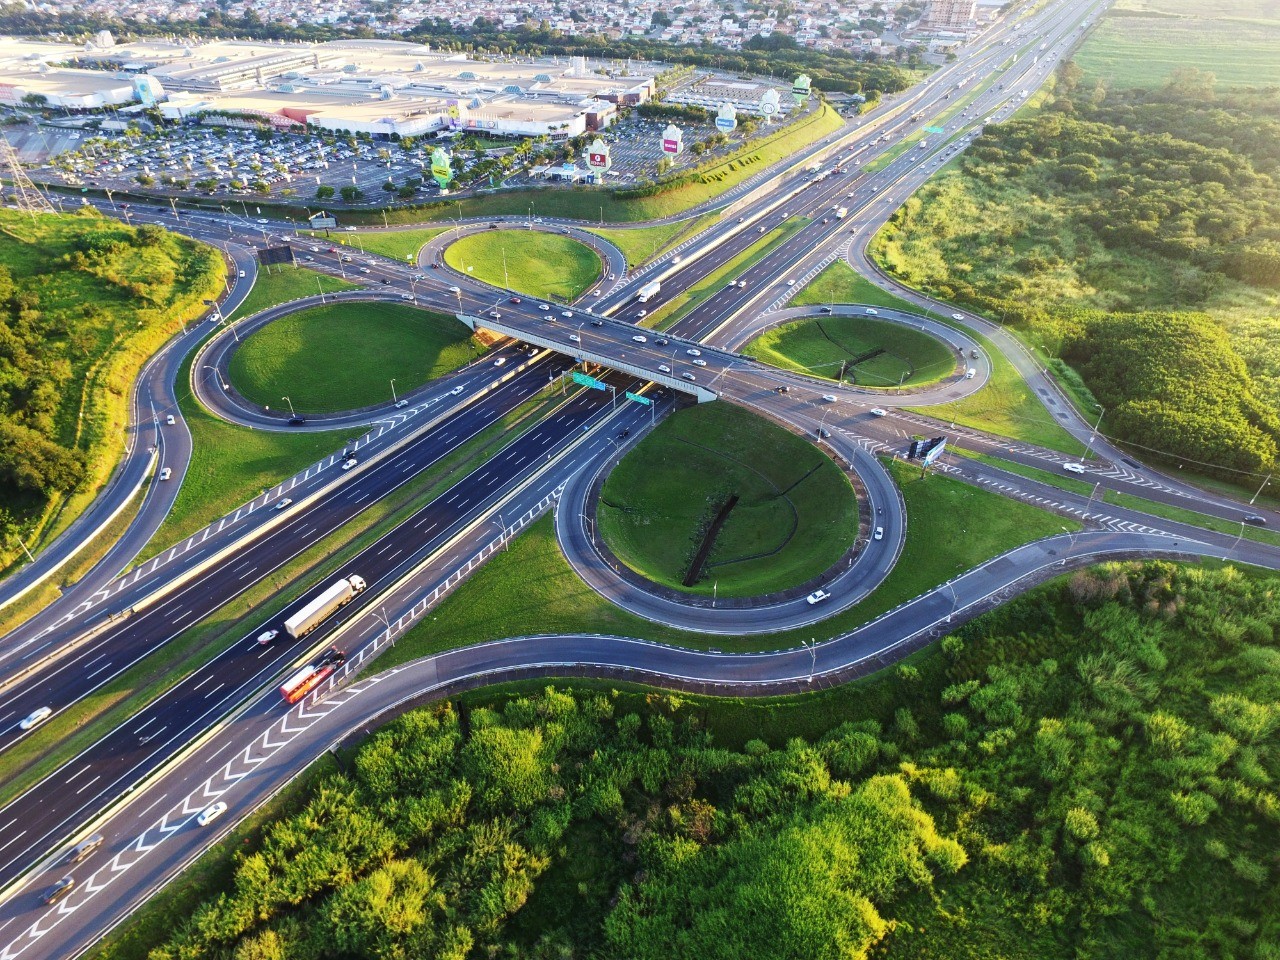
532	589
282	283
642	244
549	266
91	718
402	245
344	356
840	283
793	513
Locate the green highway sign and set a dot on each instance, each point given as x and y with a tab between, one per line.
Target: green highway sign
639	399
587	381
934	130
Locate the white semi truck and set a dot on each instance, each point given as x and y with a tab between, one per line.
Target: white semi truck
648	291
322	607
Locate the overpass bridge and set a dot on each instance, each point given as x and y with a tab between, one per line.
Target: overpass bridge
585	354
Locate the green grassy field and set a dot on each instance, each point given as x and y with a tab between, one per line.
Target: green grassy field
396	244
795	517
1235	40
819	346
548	266
532	588
690	298
840	283
286	283
85	301
642	244
343	356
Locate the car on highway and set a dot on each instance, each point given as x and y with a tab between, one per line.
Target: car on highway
401	404
1073	467
817	597
211	813
348	463
690	377
597	323
364	269
642	313
495	314
694	352
166	473
574	338
872	312
957	316
84	848
1256	521
879	412
58	890
640	338
169	420
406	296
825	310
664	368
791	283
296	421
500	362
513	300
36	718
970	373
879	534
699	362
266	636
830	397
544	307
567	314
241	274
455	391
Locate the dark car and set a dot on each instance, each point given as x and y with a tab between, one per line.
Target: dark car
296	421
1256	520
597	323
59	890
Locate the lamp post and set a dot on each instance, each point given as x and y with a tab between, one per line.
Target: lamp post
290	403
812	647
394	398
1260	487
1092	433
217	377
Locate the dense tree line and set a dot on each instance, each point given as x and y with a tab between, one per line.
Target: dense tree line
73	291
830	70
1088	772
1129	209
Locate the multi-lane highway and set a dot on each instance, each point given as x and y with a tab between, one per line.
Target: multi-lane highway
438	544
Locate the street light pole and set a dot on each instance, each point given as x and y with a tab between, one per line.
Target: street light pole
1092	433
394	398
290	403
1259	493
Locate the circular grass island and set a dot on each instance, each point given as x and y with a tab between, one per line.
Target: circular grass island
786	512
871	353
549	266
343	356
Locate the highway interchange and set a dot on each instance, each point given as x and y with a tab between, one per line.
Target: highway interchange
141	784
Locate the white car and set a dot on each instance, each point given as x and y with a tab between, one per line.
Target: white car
1073	467
401	404
405	296
574	338
501	361
957	316
211	813
879	534
872	311
879	412
544	307
829	397
37	718
817	597
266	636
284	504
166	473
169	420
455	391
567	314
699	362
662	367
640	338
694	352
348	463
791	283
643	313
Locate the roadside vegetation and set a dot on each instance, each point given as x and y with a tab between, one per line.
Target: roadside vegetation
532	588
840	283
1088	770
857	349
280	284
84	302
548	266
787	511
343	356
1129	235
642	244
402	245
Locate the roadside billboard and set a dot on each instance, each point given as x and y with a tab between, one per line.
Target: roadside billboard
598	159
727	118
672	140
441	167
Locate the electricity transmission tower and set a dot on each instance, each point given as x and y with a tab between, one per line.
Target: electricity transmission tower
25	194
